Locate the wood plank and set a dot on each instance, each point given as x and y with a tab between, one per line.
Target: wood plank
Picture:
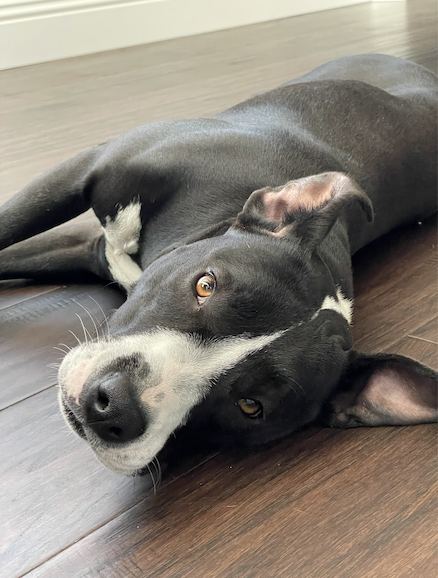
31	330
422	344
14	292
428	331
395	286
322	504
420	350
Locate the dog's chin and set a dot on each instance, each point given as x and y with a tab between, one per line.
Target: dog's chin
127	472
120	464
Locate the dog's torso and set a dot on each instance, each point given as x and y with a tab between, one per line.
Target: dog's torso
191	175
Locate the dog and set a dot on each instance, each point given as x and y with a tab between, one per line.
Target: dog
232	237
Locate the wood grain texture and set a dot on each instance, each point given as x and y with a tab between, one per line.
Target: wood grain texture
17	291
320	504
323	503
395	286
421	344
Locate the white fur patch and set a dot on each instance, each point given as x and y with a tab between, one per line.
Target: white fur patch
341	305
122	236
181	371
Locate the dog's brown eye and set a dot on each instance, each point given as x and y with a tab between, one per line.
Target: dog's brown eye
250	407
205	286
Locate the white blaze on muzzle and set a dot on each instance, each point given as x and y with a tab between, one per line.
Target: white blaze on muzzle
181	369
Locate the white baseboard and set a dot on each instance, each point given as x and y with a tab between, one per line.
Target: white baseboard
35	31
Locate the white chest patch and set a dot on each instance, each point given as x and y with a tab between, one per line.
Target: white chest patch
340	304
122	236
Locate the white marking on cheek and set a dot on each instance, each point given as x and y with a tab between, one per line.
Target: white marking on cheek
122	236
341	305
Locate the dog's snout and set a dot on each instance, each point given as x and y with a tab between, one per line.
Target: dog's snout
112	410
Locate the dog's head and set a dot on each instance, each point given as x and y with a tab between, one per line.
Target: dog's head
245	334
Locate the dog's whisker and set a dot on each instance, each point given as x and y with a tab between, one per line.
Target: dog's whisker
105	317
86	332
153	479
64	345
292	388
76	337
111	283
91	317
60	349
299	385
160	470
157	466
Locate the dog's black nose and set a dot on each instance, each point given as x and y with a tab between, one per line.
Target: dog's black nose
112	410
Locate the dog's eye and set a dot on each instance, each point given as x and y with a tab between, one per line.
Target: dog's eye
205	286
250	407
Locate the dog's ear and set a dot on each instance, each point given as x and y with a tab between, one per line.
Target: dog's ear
306	208
384	390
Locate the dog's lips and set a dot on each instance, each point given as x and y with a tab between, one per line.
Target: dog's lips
145	471
74	423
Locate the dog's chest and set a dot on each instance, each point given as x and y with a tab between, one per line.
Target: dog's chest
122	235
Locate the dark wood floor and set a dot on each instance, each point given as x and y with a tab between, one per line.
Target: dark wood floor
322	504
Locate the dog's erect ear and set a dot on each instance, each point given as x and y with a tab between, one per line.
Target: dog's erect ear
306	208
384	390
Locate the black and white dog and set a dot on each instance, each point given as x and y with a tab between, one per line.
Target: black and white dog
233	238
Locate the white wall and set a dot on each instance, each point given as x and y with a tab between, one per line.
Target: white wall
33	31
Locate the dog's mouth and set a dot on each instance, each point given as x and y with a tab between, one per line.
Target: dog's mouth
72	420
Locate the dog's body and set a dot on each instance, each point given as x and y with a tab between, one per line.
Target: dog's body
237	318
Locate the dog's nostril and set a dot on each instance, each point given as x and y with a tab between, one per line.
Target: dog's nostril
112	409
102	401
116	432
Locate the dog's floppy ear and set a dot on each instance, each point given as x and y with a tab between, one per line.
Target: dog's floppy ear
384	389
306	208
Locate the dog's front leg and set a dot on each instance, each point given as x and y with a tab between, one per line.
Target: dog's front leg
68	254
51	199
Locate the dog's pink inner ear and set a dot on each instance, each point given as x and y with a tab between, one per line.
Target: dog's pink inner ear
302	195
399	396
397	391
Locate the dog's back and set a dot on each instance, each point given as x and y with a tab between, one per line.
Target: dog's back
395	75
370	116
